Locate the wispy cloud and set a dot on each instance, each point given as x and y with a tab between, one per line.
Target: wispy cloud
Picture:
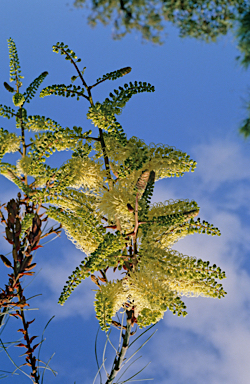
53	276
221	161
211	345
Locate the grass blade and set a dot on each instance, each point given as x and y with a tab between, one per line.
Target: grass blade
98	372
145	342
103	355
126	381
42	338
148	329
96	356
47	367
13	361
125	370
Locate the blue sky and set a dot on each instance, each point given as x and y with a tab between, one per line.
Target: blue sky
197	106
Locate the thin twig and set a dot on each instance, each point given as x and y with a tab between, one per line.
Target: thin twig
118	361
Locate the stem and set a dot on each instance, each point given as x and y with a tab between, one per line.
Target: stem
17	82
98	82
23	141
24	148
118	361
75	92
32	358
81	77
92	138
101	138
106	159
107	167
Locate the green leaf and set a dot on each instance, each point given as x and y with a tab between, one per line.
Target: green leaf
38	123
103	114
63	90
108	300
8	87
73	78
18	99
115	74
7	111
33	87
15	69
64	50
9	142
245	128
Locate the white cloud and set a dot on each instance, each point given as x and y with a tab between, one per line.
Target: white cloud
221	161
238	197
53	277
162	194
210	345
80	303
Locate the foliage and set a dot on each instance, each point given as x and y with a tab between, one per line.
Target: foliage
115	74
15	69
245	128
101	197
243	36
23	232
203	19
103	114
9	142
33	87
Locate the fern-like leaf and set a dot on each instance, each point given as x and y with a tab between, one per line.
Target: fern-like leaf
145	200
7	111
33	87
9	142
123	94
15	69
63	90
107	254
108	300
115	74
64	50
103	114
40	123
137	158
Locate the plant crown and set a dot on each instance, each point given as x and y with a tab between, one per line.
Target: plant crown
102	198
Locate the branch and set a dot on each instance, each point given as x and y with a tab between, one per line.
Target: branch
30	359
119	360
92	138
106	159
